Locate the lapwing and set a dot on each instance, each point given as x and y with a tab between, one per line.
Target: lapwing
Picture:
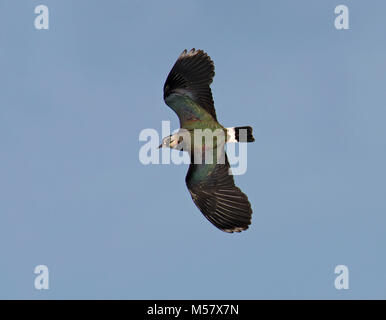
210	183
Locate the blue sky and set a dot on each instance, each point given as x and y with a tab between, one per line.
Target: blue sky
74	196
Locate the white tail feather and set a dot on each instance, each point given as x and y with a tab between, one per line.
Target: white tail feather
231	135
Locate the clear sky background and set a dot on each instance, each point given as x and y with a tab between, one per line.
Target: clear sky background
75	197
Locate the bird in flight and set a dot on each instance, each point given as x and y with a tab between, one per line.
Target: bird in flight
210	183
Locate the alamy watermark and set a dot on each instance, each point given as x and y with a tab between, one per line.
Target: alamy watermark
342	19
201	146
42	279
341	281
41	21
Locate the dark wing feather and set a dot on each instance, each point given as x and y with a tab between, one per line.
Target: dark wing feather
191	75
214	192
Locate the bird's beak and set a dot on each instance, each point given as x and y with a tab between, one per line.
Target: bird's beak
160	146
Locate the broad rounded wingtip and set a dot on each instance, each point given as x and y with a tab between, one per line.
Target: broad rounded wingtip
236	229
193	52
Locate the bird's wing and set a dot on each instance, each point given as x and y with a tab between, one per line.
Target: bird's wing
187	90
214	192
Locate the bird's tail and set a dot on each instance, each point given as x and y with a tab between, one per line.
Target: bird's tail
240	134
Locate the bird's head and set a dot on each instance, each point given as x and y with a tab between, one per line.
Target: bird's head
173	141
